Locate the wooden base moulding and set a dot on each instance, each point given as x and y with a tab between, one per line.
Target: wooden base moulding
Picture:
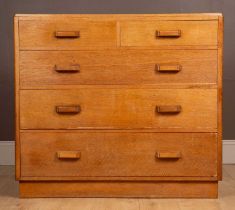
119	189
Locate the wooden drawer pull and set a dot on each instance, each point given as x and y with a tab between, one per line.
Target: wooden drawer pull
168	33
67	34
69	155
164	68
168	155
168	109
68	109
67	69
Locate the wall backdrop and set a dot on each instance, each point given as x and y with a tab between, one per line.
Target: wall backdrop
10	7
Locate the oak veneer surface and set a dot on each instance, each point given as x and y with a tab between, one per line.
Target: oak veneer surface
118	105
119	154
141	33
115	108
119	189
41	34
117	67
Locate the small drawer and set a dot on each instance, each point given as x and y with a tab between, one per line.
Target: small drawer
117	154
113	108
117	67
68	34
169	33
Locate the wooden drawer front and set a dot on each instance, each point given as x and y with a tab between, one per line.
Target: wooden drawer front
185	109
118	154
69	34
117	67
172	33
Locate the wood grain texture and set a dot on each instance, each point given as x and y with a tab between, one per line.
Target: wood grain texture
17	99
68	109
115	17
125	86
39	35
168	155
117	67
119	154
67	34
142	33
169	68
69	68
68	155
220	93
119	109
119	189
168	33
169	109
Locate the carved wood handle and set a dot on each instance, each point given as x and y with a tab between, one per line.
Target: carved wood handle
73	109
168	33
67	34
168	155
168	109
69	155
67	68
168	68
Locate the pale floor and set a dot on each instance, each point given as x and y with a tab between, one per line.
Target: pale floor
9	199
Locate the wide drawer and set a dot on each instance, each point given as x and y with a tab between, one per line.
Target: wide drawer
117	154
169	33
113	108
117	67
68	34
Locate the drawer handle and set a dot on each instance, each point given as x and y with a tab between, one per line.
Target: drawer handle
68	109
67	34
75	155
169	109
168	155
164	68
168	33
67	69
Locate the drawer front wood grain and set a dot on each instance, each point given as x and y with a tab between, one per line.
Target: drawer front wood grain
69	34
111	108
169	33
117	67
118	154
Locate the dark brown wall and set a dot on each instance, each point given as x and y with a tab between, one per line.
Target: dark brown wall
9	7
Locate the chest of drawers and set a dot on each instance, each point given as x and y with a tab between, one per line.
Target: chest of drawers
118	105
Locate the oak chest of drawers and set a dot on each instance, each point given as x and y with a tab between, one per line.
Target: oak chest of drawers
118	105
